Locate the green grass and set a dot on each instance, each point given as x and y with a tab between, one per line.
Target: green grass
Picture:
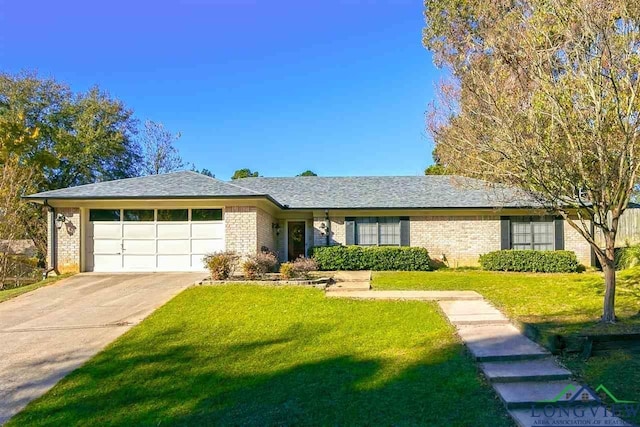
553	304
241	354
7	294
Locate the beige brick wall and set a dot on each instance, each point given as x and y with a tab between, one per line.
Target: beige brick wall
266	234
68	240
460	239
573	241
337	232
240	224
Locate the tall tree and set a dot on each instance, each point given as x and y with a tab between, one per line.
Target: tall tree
159	153
437	168
244	173
308	173
62	138
544	96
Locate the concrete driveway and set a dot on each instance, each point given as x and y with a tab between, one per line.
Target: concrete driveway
47	333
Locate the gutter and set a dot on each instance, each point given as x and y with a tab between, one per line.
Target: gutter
54	246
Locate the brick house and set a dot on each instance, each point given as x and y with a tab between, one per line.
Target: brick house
168	222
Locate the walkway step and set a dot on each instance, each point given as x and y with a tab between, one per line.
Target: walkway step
479	319
525	370
538	394
407	295
349	286
595	416
490	343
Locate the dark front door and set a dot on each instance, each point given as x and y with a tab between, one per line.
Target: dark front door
296	237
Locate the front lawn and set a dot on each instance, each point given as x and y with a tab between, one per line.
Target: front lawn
554	304
240	355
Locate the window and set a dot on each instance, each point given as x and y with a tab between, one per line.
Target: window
532	233
138	215
206	214
371	231
104	215
173	214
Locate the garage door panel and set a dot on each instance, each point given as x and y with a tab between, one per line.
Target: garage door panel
106	230
151	246
139	231
107	262
197	263
107	247
173	231
206	246
139	262
174	246
208	230
139	247
174	262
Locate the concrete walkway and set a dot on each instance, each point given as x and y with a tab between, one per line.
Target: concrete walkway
350	281
47	333
522	373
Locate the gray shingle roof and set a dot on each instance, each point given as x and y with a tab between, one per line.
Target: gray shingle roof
431	191
177	184
307	192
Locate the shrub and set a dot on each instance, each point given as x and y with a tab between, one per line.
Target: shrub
221	265
628	257
267	261
529	260
371	258
303	266
259	264
250	269
287	271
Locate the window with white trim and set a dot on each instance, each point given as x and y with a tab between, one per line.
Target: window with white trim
377	231
537	233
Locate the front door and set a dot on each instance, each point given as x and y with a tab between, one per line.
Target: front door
296	239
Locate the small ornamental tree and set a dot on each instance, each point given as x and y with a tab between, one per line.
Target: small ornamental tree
544	96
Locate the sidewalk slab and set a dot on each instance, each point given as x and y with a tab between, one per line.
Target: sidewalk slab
499	342
475	307
525	370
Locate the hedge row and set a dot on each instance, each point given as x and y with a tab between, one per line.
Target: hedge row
534	261
372	258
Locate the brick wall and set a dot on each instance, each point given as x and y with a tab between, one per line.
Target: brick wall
240	229
68	239
573	241
266	234
460	239
337	233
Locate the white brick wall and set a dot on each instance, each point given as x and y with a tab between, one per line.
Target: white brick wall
68	239
461	240
337	231
573	241
240	229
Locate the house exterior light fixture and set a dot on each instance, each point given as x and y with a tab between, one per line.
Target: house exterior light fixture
60	220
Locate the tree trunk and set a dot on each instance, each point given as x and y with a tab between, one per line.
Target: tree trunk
609	269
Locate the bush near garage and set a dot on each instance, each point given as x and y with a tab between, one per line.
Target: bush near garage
380	258
530	261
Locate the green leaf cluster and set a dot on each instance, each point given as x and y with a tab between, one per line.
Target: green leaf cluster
380	258
531	261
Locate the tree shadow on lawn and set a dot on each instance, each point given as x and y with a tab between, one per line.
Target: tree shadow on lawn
174	383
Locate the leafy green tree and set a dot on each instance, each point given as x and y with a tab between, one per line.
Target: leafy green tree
207	172
63	138
437	168
544	97
308	173
244	173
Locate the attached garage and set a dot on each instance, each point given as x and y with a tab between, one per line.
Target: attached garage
129	240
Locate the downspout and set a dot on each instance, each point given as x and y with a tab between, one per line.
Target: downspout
53	256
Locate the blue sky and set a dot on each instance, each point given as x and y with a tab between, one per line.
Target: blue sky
338	87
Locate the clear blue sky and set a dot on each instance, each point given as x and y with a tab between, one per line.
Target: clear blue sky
338	87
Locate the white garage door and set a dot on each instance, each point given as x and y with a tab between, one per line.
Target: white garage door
152	239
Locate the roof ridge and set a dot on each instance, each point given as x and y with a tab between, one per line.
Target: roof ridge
239	186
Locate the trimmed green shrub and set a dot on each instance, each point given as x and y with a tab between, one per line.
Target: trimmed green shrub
371	258
533	261
628	256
